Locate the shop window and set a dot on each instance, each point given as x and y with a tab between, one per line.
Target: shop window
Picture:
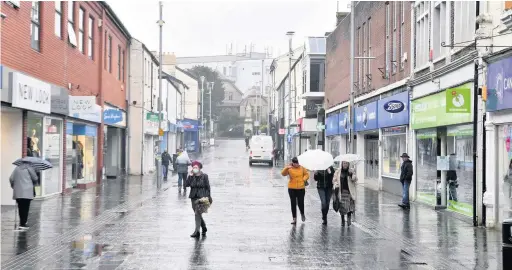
35	26
426	165
394	143
34	142
53	154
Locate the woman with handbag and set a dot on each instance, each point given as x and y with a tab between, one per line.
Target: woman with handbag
298	177
344	184
199	196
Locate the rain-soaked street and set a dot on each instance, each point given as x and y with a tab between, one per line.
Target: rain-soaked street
128	224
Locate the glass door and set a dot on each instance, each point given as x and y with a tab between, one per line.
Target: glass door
52	178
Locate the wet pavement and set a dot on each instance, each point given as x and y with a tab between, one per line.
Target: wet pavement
129	224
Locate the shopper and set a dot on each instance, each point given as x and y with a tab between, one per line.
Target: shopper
324	187
406	172
298	176
344	184
23	179
199	195
182	163
166	160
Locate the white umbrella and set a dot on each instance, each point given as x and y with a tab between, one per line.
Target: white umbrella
316	160
351	158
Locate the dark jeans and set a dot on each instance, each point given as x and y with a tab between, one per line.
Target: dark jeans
297	196
23	207
325	198
165	169
198	218
181	177
405	192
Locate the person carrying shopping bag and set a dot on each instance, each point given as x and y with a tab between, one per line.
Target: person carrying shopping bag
200	196
298	177
324	187
183	161
344	185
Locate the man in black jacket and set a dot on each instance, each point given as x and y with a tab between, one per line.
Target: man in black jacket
166	160
324	187
405	179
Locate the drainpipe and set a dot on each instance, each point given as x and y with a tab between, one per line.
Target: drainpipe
128	110
475	127
100	132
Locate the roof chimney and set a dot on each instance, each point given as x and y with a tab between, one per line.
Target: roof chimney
340	15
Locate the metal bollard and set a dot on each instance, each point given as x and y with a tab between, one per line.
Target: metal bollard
506	234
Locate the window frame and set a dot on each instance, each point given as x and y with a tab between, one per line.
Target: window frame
369	50
90	38
387	37
394	57
35	24
119	62
59	6
400	57
123	68
109	54
421	36
81	29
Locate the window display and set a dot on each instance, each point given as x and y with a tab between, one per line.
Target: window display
83	155
394	143
34	142
52	141
426	165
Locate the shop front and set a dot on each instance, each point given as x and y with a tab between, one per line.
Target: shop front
172	139
114	148
366	127
331	132
151	141
393	121
190	134
82	132
444	148
498	126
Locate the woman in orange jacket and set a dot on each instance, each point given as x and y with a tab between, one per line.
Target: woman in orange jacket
296	187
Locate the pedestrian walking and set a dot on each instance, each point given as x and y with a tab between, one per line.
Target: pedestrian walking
200	196
298	176
344	184
182	163
406	172
23	179
324	186
275	154
166	160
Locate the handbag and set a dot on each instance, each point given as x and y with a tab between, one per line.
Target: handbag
306	182
336	201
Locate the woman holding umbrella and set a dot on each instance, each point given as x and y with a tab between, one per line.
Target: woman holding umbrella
344	184
23	179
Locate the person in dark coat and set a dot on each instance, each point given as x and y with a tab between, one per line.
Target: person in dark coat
324	187
23	179
199	189
406	172
166	160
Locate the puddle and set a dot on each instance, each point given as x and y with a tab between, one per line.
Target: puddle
86	247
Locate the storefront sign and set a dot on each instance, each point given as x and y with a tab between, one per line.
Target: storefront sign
113	116
366	117
189	125
151	123
343	123
281	131
60	100
394	130
331	125
458	100
499	85
460	131
394	110
30	93
81	104
86	130
430	111
94	116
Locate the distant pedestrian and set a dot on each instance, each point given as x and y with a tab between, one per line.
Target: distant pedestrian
406	172
298	176
345	189
200	196
166	160
182	163
275	154
324	187
23	179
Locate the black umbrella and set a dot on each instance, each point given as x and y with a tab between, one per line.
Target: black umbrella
38	164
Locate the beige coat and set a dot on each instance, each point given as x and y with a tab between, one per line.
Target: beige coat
352	187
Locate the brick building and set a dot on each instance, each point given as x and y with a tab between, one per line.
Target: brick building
383	31
63	64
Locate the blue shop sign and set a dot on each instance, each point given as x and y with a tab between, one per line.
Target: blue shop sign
499	85
394	110
343	123
331	125
112	116
189	124
69	128
366	117
86	130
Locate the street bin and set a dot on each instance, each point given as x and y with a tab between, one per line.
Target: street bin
506	234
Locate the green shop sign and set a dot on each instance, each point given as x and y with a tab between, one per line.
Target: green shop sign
458	100
431	111
153	117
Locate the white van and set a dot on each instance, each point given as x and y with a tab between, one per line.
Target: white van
261	150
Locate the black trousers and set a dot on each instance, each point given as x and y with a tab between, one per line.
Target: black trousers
297	197
23	208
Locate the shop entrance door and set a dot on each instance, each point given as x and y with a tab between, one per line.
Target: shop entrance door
371	159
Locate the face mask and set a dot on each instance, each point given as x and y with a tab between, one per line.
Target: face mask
195	171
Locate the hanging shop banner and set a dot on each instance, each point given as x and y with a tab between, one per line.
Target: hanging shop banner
499	85
458	100
113	116
189	124
430	111
366	117
60	100
394	110
331	125
30	93
151	123
343	123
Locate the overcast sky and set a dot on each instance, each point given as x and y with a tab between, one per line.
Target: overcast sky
206	27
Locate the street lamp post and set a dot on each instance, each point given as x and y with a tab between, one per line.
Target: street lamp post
201	137
290	53
159	169
210	121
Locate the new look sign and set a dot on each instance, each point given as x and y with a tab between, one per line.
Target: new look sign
30	93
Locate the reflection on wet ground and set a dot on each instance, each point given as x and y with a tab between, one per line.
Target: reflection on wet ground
128	224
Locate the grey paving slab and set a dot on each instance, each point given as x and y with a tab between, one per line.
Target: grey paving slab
128	224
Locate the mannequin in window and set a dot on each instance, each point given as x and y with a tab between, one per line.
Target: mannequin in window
35	144
80	159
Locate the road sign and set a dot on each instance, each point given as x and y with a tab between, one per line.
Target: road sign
320	127
160	132
289	137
